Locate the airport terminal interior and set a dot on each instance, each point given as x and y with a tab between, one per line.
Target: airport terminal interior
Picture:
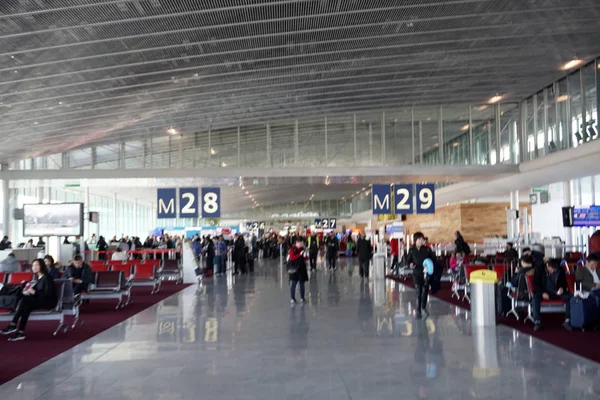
299	199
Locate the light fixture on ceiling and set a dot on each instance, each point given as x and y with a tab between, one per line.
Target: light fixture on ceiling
455	144
571	64
562	98
243	187
223	164
172	131
247	192
465	127
213	152
482	108
495	99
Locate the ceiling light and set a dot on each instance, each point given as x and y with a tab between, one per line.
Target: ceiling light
223	164
482	108
12	56
172	131
243	188
213	152
562	98
571	64
247	192
495	99
455	144
465	127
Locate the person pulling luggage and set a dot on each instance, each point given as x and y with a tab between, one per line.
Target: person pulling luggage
416	257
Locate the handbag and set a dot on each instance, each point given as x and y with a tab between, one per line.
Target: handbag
10	296
291	268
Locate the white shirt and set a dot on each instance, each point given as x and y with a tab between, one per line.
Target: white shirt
119	256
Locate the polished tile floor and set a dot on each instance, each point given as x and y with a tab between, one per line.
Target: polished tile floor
239	338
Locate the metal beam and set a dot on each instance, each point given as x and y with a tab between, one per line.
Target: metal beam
430	172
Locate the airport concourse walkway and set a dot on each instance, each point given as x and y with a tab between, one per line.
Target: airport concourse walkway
239	338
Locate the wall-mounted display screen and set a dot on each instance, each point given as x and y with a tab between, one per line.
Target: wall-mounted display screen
64	219
589	216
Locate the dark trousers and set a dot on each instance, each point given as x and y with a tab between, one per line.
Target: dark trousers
331	260
363	269
394	263
293	290
24	308
537	304
422	289
80	287
313	261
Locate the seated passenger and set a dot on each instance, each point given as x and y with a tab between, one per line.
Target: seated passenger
80	274
53	270
519	279
588	276
119	255
510	254
456	261
38	294
10	264
555	288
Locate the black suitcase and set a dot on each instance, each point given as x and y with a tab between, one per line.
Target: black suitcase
503	303
10	295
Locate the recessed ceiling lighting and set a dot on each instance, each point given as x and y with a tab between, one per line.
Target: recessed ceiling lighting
495	99
213	152
247	192
464	127
482	108
172	131
223	164
243	188
571	64
455	144
562	98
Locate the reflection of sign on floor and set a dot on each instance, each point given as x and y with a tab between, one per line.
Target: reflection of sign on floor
167	330
211	330
172	330
385	325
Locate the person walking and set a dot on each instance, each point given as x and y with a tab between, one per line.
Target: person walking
416	257
332	249
297	271
313	252
365	253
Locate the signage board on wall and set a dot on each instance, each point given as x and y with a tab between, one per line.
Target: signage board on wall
187	204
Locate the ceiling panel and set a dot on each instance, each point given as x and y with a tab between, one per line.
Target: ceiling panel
81	72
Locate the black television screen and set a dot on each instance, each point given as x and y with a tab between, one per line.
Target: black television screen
64	219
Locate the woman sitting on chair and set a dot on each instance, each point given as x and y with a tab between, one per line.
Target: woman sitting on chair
37	294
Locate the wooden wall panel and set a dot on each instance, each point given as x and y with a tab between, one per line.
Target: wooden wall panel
438	227
475	221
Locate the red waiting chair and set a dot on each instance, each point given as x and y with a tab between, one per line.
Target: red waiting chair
16	278
145	275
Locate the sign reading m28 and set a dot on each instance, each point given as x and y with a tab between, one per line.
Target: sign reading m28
165	200
211	203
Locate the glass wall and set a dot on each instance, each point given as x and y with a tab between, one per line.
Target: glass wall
562	115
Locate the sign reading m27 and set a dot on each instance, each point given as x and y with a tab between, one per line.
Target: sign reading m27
166	203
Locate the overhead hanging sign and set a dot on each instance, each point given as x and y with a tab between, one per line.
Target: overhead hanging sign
187	204
406	199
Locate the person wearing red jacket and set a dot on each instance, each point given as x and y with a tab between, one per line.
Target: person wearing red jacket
297	270
394	249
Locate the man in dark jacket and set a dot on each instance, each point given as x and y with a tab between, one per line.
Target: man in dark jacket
332	245
313	252
80	274
239	254
416	256
365	252
555	287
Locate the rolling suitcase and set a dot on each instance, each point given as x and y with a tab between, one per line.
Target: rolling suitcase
503	303
584	312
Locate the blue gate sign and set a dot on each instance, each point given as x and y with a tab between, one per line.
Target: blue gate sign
403	199
381	202
165	201
188	203
426	199
211	203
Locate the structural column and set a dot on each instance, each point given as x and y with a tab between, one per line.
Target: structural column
115	215
86	209
5	206
567	203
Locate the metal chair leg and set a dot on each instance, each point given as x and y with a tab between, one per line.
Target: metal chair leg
60	325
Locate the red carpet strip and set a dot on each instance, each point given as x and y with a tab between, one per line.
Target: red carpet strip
584	344
98	316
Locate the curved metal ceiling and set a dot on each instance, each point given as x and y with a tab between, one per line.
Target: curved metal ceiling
75	72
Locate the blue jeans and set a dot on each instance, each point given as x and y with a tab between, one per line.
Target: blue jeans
219	264
293	290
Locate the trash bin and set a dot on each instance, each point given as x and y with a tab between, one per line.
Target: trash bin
483	297
379	265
